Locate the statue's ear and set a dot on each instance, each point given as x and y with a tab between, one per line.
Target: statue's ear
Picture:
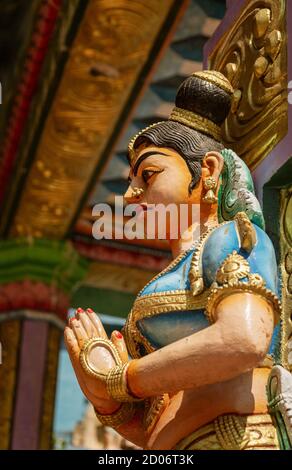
212	165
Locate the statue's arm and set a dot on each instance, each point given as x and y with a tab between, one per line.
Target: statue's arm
237	342
133	430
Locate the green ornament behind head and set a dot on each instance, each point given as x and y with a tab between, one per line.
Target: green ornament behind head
237	191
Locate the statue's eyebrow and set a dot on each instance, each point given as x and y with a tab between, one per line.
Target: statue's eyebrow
143	156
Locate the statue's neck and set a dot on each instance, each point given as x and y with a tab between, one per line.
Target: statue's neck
192	234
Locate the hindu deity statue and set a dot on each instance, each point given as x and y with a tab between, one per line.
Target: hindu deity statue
192	367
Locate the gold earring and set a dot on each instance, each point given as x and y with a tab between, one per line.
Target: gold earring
137	192
209	184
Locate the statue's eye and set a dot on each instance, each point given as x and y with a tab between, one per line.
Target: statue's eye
147	174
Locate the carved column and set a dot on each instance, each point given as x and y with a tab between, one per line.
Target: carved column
286	272
251	48
35	284
252	52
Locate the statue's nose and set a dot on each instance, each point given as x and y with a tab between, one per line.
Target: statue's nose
133	194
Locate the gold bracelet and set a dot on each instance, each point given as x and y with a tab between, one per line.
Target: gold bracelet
123	415
116	384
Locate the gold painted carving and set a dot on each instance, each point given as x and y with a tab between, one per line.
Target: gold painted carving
253	56
87	351
39	105
123	415
286	271
195	121
133	338
234	267
117	386
216	79
110	49
246	230
154	407
154	304
161	302
196	268
234	432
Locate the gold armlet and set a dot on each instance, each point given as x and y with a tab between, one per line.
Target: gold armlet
229	280
122	416
116	384
255	285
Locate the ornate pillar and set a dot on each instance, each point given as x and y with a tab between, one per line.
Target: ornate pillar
286	272
36	279
251	47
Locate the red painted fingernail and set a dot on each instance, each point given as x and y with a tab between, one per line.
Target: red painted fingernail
73	318
79	310
89	310
118	335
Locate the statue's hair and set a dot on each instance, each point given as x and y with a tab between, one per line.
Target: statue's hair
190	144
204	98
209	101
236	192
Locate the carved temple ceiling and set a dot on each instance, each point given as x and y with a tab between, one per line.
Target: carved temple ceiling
13	17
104	63
97	65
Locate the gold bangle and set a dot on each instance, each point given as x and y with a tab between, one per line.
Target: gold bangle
85	352
123	415
116	384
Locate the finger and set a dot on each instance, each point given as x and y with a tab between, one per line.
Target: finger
73	350
79	331
119	342
100	331
77	312
87	324
71	343
82	377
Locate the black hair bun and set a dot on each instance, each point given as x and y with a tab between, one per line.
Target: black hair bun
207	93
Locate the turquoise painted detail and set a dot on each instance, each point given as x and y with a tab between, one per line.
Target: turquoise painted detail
176	279
237	191
166	328
224	239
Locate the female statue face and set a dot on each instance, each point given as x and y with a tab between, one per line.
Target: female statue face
163	177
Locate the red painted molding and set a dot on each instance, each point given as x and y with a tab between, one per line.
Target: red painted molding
33	296
40	40
122	257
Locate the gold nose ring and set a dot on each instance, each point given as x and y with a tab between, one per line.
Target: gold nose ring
137	192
